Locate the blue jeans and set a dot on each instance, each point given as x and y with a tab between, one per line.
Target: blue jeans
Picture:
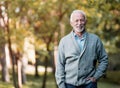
89	85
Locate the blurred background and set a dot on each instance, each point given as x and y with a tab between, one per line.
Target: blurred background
30	31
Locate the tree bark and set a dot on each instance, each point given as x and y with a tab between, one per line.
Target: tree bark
36	68
24	78
19	65
5	72
45	73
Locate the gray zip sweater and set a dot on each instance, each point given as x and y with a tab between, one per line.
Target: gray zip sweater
74	67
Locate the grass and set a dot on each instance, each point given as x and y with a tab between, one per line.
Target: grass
113	77
107	85
32	82
37	82
112	81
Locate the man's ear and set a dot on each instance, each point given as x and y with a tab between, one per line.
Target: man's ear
71	23
85	21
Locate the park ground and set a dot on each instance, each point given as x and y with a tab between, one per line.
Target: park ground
112	80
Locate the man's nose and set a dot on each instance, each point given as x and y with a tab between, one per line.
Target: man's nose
79	22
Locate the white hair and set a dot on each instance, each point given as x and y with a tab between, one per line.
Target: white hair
77	11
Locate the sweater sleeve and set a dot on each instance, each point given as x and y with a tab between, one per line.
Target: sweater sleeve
102	60
60	70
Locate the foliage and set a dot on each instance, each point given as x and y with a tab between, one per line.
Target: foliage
42	19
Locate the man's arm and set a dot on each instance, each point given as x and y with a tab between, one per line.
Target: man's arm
59	74
102	60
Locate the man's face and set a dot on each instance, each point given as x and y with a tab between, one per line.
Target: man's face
78	22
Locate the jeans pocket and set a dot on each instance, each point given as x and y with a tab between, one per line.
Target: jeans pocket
91	85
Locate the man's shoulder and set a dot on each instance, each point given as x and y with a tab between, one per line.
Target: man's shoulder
92	35
66	37
64	40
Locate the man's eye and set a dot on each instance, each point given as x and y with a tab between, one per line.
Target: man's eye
82	20
76	20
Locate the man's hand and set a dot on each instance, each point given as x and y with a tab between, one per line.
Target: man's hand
93	79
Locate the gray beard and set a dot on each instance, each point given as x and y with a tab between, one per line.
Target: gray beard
79	30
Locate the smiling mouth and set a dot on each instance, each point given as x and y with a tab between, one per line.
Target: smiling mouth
80	26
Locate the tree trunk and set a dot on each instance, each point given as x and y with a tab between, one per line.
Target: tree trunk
5	72
36	68
11	54
3	59
19	65
7	33
24	78
55	49
55	54
45	73
13	59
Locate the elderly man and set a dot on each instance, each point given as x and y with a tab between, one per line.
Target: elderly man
78	54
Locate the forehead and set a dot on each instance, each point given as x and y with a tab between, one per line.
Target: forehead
78	16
